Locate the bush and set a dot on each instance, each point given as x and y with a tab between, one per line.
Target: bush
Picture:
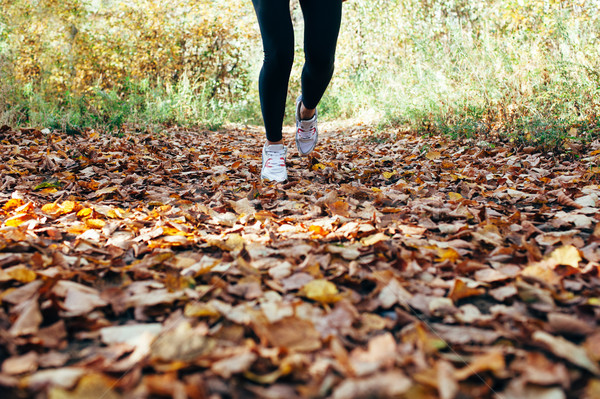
99	52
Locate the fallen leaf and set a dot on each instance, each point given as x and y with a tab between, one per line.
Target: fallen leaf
374	239
321	291
461	290
566	350
384	385
566	255
291	333
492	361
29	318
234	365
20	364
90	386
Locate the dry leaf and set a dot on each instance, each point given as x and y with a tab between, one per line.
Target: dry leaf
321	291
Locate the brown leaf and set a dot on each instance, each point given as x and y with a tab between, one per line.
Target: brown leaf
563	199
537	369
234	365
566	350
381	352
462	335
20	364
339	208
568	324
29	318
383	385
291	333
65	377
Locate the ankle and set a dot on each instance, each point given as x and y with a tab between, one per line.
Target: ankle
306	113
274	142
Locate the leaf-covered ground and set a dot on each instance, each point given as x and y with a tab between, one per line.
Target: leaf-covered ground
389	265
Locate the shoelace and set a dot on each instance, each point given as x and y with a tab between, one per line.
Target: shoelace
306	134
275	161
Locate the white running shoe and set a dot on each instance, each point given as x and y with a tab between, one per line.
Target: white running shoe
306	131
273	162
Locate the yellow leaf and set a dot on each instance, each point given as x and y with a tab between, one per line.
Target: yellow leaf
388	175
22	275
199	309
85	212
432	155
12	204
17	220
117	213
455	196
89	386
68	206
18	273
95	223
375	189
566	255
318	166
447	254
593	301
321	291
171	231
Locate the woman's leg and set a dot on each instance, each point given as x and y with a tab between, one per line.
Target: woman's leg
278	43
322	19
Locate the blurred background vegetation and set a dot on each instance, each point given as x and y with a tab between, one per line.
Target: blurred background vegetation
527	70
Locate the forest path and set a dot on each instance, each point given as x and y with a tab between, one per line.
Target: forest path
389	264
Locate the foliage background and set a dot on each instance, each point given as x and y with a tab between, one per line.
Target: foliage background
529	70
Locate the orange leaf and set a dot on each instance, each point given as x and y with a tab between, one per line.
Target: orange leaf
51	209
339	208
12	204
318	230
461	290
493	361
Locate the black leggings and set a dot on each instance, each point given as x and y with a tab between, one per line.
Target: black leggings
322	20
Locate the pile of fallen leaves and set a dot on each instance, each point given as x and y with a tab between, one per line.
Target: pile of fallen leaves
408	267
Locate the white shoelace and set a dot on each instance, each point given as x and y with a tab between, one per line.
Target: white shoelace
306	134
307	129
275	161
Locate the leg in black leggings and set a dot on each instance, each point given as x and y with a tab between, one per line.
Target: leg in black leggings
322	23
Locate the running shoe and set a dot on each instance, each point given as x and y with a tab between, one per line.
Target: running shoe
273	162
306	131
